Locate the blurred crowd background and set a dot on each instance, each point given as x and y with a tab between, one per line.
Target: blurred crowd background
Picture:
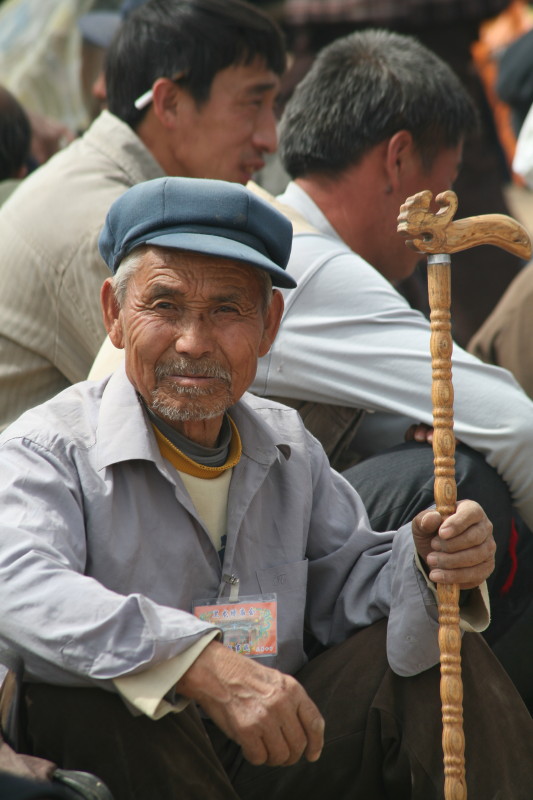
52	53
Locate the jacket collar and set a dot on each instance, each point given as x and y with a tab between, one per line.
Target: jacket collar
124	432
121	145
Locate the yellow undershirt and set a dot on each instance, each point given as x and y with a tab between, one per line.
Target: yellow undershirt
183	463
208	487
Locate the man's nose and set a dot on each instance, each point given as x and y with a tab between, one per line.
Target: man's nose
266	133
195	336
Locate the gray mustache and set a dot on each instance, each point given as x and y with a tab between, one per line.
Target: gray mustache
185	366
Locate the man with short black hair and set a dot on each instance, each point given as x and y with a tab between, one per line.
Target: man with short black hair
191	88
377	119
167	541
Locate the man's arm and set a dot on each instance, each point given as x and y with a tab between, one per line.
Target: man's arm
68	627
80	327
49	335
349	338
505	337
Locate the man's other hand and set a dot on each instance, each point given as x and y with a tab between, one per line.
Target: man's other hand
419	433
459	549
266	712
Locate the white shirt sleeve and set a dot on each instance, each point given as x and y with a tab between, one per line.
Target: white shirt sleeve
145	691
349	337
523	157
474	616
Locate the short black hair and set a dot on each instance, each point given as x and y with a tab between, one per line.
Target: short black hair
195	37
361	90
15	135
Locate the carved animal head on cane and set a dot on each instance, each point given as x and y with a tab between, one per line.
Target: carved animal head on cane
430	232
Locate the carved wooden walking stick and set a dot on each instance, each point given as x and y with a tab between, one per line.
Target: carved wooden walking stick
438	236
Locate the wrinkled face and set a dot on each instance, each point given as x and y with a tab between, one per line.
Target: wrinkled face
193	327
228	135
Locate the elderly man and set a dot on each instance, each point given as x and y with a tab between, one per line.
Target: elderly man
191	86
168	538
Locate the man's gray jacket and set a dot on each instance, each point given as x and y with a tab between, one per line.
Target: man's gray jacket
102	552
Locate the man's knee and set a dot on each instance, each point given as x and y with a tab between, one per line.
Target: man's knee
344	679
137	757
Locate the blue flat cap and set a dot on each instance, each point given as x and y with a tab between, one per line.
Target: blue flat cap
202	216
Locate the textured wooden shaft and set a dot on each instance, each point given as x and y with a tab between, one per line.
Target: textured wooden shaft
451	686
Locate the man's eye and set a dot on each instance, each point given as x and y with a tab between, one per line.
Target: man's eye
227	310
162	305
253	102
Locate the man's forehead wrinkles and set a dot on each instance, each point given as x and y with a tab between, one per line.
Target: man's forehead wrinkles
160	289
226	295
186	269
199	289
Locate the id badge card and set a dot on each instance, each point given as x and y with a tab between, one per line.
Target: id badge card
249	624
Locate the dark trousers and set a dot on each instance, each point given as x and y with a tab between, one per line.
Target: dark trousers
383	736
398	483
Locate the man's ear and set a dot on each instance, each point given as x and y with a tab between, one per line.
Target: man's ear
165	100
272	322
111	314
398	157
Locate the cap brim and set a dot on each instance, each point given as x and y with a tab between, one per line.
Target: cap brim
223	248
99	27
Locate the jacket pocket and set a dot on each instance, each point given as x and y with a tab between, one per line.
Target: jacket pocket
289	583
